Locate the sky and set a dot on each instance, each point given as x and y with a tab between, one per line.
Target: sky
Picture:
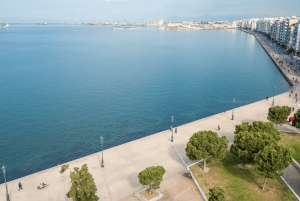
82	11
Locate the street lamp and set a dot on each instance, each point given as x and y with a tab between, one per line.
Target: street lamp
4	171
172	118
233	100
273	96
102	161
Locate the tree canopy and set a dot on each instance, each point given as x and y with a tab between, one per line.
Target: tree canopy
279	114
296	121
83	185
258	126
216	194
247	144
152	176
272	159
250	139
64	168
205	144
291	50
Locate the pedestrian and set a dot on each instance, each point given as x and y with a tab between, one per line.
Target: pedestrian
20	186
289	95
267	98
291	91
224	111
293	78
219	128
296	100
176	130
293	109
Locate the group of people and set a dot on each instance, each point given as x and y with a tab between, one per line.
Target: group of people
42	185
296	80
296	96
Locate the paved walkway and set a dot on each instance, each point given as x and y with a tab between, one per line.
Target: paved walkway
119	178
176	188
291	174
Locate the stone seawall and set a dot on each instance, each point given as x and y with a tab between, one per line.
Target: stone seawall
273	59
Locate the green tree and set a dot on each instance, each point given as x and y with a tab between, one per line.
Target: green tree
278	114
205	144
250	139
271	161
64	168
258	126
216	194
83	185
291	50
152	176
246	144
283	46
296	121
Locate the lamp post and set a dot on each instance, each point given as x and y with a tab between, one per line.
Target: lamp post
172	118
273	96
4	171
102	161
233	100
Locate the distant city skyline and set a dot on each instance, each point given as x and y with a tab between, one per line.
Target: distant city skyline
78	11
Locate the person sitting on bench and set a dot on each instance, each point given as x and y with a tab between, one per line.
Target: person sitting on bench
40	186
43	185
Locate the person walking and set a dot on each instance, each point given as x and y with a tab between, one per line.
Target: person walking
219	128
175	130
20	186
289	95
293	109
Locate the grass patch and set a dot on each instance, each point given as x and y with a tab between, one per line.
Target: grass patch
240	182
292	140
148	196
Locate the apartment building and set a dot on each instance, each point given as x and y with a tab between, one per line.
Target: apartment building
295	36
284	30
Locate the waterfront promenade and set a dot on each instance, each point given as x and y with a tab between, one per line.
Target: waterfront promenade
119	178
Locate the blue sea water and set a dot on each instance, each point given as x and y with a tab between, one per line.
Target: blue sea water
62	87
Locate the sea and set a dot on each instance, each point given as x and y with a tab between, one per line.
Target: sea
62	87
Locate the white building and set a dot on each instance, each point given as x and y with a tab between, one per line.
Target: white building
295	36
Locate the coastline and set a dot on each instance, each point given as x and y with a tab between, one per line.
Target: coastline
151	150
269	53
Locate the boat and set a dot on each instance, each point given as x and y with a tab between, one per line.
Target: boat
45	23
4	26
